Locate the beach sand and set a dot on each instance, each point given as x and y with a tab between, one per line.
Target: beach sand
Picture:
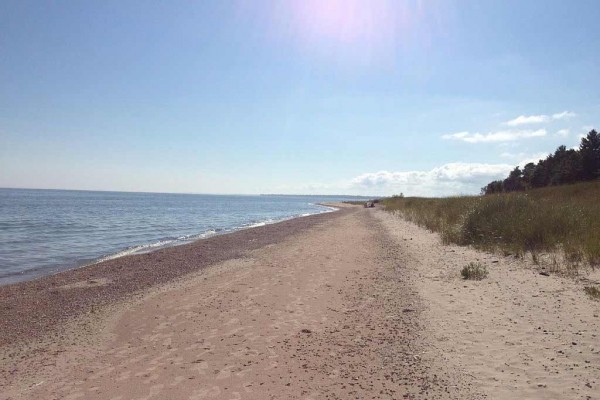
355	304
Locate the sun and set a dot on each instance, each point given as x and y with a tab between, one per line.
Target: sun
365	31
346	21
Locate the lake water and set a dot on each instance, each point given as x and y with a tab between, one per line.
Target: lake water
46	231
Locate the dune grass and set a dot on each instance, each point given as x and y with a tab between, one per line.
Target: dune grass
593	292
559	219
474	271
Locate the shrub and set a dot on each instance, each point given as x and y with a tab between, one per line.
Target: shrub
474	271
593	292
561	219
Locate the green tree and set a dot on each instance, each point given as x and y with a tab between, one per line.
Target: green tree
514	182
589	150
528	173
540	174
562	167
492	187
566	167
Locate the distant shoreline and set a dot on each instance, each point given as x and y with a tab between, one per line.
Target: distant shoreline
196	193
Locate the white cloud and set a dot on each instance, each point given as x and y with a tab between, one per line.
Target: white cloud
530	119
448	179
532	158
563	133
458	135
540	119
499	136
524	158
563	115
512	155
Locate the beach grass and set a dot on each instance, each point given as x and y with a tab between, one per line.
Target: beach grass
593	292
561	220
474	271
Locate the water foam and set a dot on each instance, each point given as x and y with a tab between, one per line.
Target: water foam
150	247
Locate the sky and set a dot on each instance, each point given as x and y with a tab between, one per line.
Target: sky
427	98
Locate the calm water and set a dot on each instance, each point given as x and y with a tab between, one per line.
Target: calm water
45	231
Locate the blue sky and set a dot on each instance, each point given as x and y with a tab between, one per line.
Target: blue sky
298	96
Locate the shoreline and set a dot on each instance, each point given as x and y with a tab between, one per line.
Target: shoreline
151	248
146	248
352	304
43	303
299	316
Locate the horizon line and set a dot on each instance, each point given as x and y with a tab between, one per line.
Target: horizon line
188	193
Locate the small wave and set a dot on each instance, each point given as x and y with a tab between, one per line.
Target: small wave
144	248
147	248
325	208
203	235
170	242
261	223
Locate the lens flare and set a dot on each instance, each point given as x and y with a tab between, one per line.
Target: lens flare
346	21
352	30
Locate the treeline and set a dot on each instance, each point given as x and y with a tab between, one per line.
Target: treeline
563	167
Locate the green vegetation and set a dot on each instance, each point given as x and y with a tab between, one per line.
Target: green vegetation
562	167
593	292
474	271
561	219
362	202
355	203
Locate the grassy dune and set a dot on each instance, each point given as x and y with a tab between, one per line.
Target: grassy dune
561	222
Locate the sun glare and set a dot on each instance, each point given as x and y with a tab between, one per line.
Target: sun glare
343	29
373	23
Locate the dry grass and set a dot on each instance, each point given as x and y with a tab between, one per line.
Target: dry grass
474	271
561	219
593	292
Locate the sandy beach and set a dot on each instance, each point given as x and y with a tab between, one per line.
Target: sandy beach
355	304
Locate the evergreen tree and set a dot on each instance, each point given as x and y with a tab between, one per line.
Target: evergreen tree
492	187
513	183
528	174
563	167
566	167
540	174
589	149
